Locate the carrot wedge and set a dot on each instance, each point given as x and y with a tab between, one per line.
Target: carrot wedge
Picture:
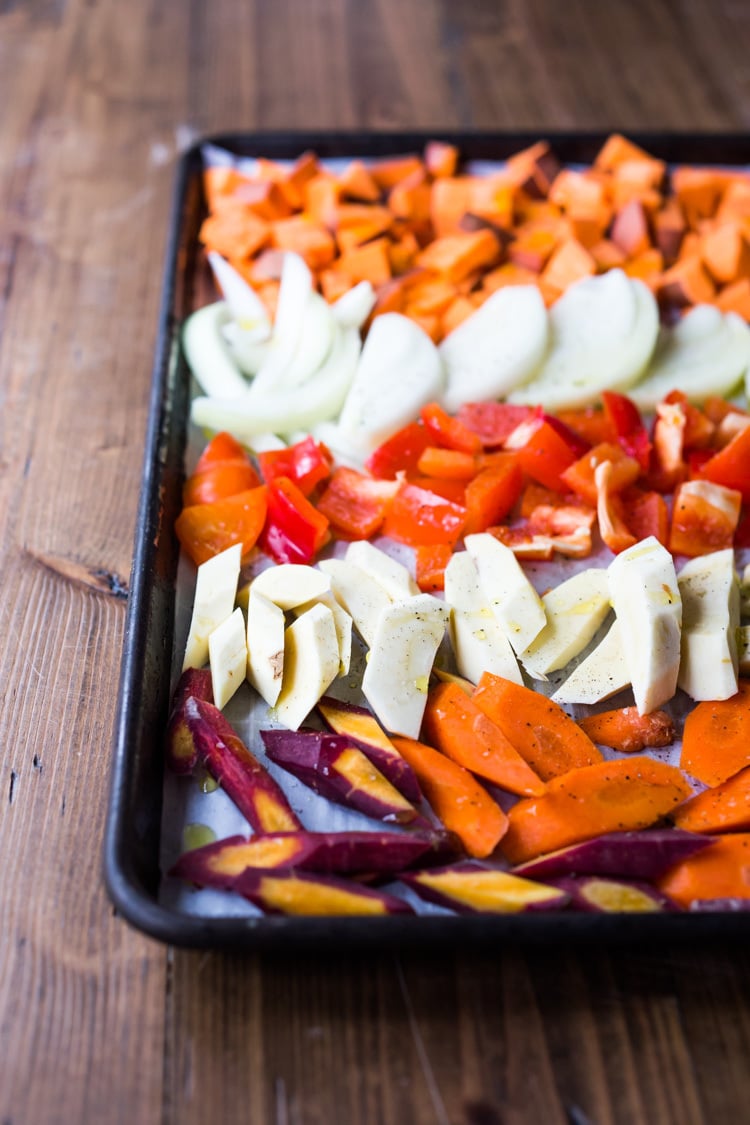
456	798
461	731
616	796
720	872
628	731
716	738
545	737
725	808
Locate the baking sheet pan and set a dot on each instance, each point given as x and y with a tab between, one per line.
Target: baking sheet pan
133	840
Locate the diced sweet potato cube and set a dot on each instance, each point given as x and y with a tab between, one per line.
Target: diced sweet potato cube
458	255
302	235
726	253
534	169
321	198
642	173
588	226
333	284
618	150
357	183
735	203
220	182
441	159
459	310
630	229
431	297
370	262
403	253
410	198
669	229
449	200
606	255
387	173
686	283
736	298
507	274
570	262
699	191
578	189
264	198
532	250
234	232
647	267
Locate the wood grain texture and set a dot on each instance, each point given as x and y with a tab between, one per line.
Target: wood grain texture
97	1023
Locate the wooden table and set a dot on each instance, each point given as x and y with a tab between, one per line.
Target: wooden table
98	1023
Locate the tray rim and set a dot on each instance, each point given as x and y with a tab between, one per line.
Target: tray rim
128	892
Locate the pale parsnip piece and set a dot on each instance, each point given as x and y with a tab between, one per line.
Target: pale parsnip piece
265	646
706	353
227	656
602	674
478	641
646	598
213	602
342	622
311	664
290	584
397	675
603	332
361	596
497	348
710	619
511	597
392	575
575	611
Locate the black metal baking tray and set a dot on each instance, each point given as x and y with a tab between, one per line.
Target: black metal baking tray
131	846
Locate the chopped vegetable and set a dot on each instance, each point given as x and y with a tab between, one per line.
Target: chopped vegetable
724	808
628	731
630	855
474	889
720	872
716	737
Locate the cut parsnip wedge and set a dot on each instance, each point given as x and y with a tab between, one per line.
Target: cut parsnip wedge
497	348
710	620
603	332
258	412
706	353
397	675
645	596
575	610
361	596
215	590
602	674
343	624
479	643
399	371
311	664
227	656
290	584
391	574
208	355
511	597
265	646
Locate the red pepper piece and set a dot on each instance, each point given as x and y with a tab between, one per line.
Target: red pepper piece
220	481
494	422
668	466
646	514
704	518
294	530
610	511
354	504
431	561
580	476
305	463
699	429
543	453
449	464
590	424
417	516
453	490
399	453
492	494
222	447
449	432
627	425
731	465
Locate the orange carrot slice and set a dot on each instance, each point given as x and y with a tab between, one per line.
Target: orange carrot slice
719	872
716	738
628	731
726	808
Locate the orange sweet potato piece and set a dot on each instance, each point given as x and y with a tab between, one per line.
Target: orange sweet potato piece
669	229
736	298
698	191
532	249
686	283
333	284
630	229
606	255
450	199
647	267
735	202
441	159
457	255
264	198
534	169
459	310
370	262
583	190
219	183
403	252
569	263
234	232
302	235
618	150
588	226
357	183
321	198
387	173
726	253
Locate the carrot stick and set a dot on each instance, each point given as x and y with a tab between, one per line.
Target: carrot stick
457	799
459	729
548	739
726	808
627	731
616	796
719	872
716	738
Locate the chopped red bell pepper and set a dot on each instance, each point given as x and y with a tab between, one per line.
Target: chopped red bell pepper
421	518
568	526
580	475
625	420
704	518
494	422
306	463
646	514
400	453
524	543
453	490
356	505
731	465
294	530
696	459
543	453
205	530
431	561
590	423
492	494
449	432
535	495
668	466
699	428
222	447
